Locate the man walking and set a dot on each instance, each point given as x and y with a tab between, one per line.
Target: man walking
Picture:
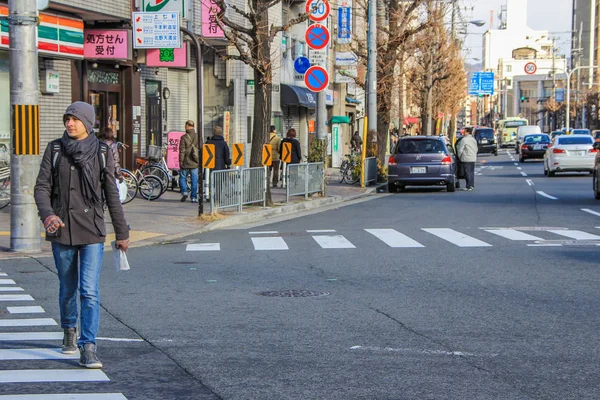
356	143
275	142
467	153
75	172
188	162
222	154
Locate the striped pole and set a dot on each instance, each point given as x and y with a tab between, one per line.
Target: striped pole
25	226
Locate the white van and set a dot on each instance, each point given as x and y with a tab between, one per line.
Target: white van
522	131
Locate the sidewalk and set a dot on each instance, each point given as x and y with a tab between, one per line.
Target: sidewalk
168	219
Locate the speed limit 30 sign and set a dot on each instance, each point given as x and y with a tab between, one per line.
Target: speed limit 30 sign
530	68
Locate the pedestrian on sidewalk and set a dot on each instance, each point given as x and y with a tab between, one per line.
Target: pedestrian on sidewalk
467	153
189	158
356	143
75	171
107	136
275	142
222	154
290	137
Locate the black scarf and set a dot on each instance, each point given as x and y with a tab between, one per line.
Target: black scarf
84	152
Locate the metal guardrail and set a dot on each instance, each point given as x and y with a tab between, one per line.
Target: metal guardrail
370	168
304	179
254	185
225	190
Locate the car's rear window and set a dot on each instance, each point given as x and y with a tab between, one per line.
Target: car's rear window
597	135
574	140
581	132
537	139
484	133
514	124
416	146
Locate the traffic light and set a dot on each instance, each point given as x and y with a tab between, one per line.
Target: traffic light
523	98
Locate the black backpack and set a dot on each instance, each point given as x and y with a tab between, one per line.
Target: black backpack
57	152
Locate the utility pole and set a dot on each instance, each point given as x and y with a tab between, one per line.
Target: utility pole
372	68
25	125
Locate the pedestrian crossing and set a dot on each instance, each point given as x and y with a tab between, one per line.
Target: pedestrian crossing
330	239
17	312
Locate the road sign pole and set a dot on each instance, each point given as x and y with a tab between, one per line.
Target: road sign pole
24	99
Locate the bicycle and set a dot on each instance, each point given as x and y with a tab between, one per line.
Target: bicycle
155	164
4	186
348	169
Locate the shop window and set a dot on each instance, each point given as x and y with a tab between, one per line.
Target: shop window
97	76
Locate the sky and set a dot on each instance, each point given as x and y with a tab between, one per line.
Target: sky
550	15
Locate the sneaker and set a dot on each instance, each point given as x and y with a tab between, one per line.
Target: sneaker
184	197
69	345
88	356
470	188
465	189
194	200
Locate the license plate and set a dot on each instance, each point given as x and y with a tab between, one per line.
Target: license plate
418	170
484	141
579	153
537	147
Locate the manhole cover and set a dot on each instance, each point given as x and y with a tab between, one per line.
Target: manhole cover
293	293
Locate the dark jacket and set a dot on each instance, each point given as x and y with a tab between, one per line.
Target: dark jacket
186	148
296	153
83	224
114	149
222	155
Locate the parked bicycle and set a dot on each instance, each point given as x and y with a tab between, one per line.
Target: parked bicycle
350	169
4	186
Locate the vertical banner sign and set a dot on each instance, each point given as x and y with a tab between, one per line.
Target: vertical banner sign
336	149
344	35
210	28
173	140
226	125
26	129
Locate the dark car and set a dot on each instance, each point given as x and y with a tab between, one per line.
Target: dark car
486	140
422	161
534	146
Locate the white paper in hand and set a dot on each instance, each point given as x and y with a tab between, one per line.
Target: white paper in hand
121	262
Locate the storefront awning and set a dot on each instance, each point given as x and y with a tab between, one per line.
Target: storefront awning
297	96
340	119
411	120
352	100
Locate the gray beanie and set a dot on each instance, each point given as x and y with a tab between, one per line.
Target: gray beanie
83	112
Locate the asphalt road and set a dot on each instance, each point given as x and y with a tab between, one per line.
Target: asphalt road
490	294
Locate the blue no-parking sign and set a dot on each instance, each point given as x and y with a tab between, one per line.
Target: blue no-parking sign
316	78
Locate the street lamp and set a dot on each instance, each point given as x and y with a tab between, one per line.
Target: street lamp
569	73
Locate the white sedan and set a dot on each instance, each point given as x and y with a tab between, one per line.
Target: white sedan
570	153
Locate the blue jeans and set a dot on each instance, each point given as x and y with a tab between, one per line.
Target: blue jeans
470	173
86	279
183	173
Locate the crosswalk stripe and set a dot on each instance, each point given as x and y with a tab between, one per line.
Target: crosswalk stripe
3	274
393	238
52	375
333	242
65	396
15	297
28	322
457	238
578	235
203	247
25	310
22	336
269	243
11	289
320	230
7	282
36	354
513	234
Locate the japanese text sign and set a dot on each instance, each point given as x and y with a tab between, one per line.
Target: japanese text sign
173	139
156	30
106	44
210	28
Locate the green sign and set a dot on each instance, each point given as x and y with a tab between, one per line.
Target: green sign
165	6
335	137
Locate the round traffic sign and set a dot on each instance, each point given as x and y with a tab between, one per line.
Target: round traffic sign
318	9
316	78
530	68
317	36
301	64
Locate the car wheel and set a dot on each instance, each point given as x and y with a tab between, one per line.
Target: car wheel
545	170
392	188
596	192
591	172
521	159
450	187
496	153
551	173
457	184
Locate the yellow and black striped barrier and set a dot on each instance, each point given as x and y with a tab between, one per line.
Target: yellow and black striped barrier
26	129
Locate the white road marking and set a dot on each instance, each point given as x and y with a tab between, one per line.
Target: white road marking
393	238
516	163
25	310
36	354
545	245
519	168
3	274
578	235
65	396
420	351
263	233
546	195
15	297
203	247
7	282
529	182
11	289
320	231
511	234
523	173
12	336
457	238
333	242
52	375
28	322
587	210
108	339
269	243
